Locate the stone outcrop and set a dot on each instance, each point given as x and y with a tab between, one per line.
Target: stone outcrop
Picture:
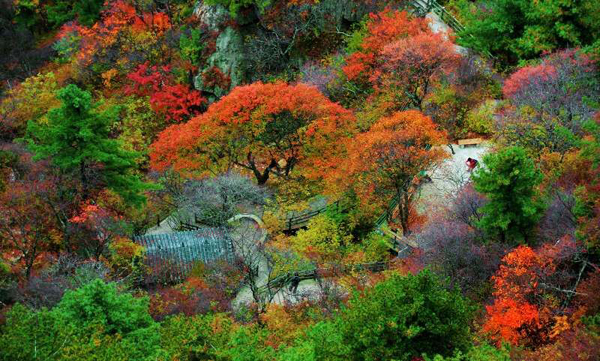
229	58
213	16
231	47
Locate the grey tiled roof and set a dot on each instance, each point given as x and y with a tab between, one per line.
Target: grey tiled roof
180	250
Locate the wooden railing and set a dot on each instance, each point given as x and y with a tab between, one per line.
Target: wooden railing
302	219
423	7
291	223
287	278
386	213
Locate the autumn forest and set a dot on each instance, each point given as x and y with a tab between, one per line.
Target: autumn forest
300	180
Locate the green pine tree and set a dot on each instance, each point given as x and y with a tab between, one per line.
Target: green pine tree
509	180
87	12
77	140
398	319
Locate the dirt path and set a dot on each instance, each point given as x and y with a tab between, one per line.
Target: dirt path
449	178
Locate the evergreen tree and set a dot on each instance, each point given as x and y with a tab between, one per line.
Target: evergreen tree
517	30
399	319
94	322
77	140
87	12
509	180
404	317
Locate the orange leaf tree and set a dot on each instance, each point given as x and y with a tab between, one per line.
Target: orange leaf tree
263	128
388	159
381	29
411	66
529	289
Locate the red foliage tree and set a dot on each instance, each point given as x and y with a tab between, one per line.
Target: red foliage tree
264	128
588	194
117	19
104	33
383	28
27	228
174	101
547	98
587	293
531	289
99	228
527	76
411	66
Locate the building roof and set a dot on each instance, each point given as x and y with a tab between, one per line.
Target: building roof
180	250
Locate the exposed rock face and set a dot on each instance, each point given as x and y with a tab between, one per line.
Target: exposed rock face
229	50
253	34
439	27
344	10
229	58
213	17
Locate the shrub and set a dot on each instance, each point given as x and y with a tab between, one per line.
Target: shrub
90	323
400	318
481	119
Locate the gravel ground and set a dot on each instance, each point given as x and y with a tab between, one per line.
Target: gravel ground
449	178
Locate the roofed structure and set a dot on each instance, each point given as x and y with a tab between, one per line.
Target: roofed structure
178	251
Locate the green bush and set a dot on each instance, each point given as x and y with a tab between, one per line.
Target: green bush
398	319
519	30
87	12
195	338
234	6
191	45
481	120
66	47
94	322
482	352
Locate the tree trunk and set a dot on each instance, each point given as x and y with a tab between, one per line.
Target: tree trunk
261	178
84	181
404	208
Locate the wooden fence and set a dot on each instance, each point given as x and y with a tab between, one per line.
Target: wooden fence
316	273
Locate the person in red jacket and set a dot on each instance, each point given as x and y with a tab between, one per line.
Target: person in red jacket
471	164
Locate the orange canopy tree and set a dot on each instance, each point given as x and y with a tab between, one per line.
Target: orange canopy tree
410	67
381	29
532	291
388	159
264	128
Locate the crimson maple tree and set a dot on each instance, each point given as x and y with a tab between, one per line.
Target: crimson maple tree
529	290
526	77
174	101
